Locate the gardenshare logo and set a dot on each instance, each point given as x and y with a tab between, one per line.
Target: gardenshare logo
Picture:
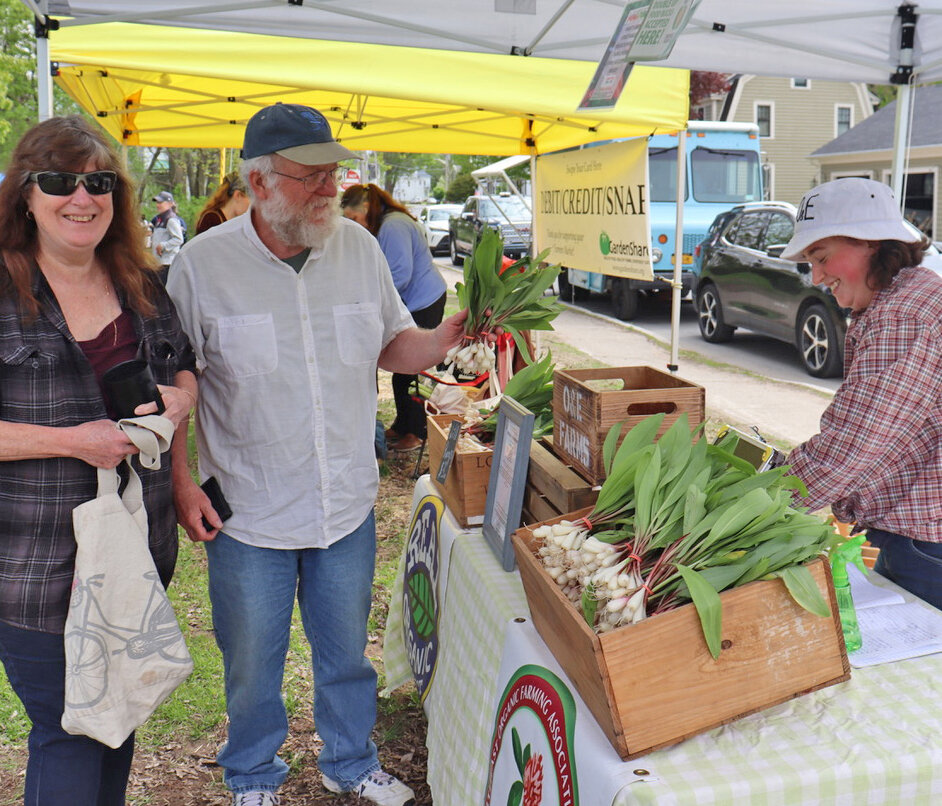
622	248
605	243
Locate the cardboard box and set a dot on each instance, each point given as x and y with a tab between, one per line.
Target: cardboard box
465	489
583	413
653	684
553	486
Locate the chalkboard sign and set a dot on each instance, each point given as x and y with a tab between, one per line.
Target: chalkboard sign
508	479
448	455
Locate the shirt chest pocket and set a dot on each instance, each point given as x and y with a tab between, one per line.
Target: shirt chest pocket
247	344
30	385
359	332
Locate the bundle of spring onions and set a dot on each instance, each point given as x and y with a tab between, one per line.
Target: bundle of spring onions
532	388
678	520
510	301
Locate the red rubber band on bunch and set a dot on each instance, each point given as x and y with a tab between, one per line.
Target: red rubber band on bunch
587	522
645	587
634	556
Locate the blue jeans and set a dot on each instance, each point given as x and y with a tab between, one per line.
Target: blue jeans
252	592
915	565
62	768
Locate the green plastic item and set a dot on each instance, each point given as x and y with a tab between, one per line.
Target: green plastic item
848	551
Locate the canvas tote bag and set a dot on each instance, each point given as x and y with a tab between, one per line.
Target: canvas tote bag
124	651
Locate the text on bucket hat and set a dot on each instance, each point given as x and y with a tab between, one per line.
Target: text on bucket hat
298	133
164	195
851	207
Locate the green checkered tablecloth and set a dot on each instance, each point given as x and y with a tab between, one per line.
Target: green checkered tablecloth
872	740
481	599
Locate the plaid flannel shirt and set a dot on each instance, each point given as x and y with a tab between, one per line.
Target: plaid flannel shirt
878	457
46	380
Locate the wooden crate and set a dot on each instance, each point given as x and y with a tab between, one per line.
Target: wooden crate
553	486
653	684
465	489
582	415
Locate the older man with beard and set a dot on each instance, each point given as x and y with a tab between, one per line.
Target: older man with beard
290	309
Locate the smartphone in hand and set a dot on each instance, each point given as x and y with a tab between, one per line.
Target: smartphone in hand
217	499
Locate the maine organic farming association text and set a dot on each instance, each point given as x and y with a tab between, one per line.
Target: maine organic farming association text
599	200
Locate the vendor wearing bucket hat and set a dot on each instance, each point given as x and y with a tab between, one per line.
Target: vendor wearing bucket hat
878	458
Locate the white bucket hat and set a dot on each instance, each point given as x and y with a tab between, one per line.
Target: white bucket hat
851	207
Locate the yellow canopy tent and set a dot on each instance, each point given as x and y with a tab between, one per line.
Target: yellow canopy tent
185	87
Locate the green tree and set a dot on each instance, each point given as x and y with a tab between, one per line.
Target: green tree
462	187
17	76
19	108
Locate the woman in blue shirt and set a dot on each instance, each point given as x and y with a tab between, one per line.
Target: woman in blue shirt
417	280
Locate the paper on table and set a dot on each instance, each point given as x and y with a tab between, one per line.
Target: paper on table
896	632
866	594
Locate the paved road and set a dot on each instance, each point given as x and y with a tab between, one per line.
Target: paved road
749	351
785	405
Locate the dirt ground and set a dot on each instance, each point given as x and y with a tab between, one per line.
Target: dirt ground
186	774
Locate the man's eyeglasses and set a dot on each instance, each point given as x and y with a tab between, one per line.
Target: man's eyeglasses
65	183
316	179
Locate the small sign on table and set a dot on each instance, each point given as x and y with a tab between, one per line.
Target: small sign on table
508	479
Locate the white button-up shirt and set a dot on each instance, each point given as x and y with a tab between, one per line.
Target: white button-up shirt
287	405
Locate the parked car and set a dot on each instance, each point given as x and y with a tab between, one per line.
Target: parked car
434	219
742	281
507	214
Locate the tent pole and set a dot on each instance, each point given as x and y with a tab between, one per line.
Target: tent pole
677	284
903	78
43	25
901	135
222	165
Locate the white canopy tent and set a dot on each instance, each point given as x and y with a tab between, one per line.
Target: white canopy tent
877	41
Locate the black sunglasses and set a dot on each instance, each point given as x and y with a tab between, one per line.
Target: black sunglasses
65	183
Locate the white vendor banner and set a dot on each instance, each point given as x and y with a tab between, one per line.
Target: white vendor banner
591	209
546	747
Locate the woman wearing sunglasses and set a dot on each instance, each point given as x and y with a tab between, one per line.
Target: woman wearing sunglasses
78	294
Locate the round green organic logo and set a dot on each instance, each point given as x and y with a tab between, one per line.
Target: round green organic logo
605	243
422	602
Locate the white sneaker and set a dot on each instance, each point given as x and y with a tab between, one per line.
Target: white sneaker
378	787
261	797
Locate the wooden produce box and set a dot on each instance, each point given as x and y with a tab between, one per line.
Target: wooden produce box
583	415
653	684
465	489
553	486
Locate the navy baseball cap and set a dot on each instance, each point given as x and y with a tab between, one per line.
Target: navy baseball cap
164	195
298	133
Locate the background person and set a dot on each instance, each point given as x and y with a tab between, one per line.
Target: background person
78	294
166	232
878	458
418	281
229	200
290	309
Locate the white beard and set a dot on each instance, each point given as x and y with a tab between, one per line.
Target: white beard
309	226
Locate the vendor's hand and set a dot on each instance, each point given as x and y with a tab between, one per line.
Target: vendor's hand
192	504
101	443
178	403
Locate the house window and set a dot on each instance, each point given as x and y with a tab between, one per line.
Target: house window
801	84
764	119
919	199
843	119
